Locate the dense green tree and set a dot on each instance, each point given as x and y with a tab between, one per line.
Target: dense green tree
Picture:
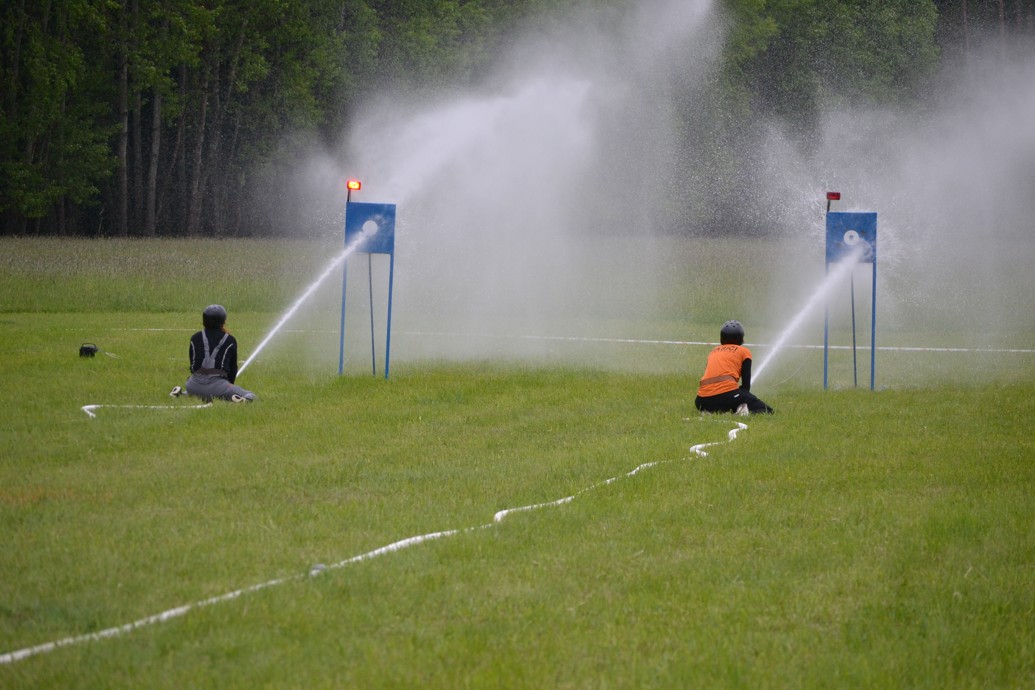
160	116
784	62
54	124
793	55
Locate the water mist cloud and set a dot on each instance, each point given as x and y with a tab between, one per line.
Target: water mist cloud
952	181
511	195
499	189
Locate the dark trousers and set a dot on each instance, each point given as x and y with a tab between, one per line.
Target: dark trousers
729	402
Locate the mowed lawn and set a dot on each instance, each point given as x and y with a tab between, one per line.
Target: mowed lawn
854	539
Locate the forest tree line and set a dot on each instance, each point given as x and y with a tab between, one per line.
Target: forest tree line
151	117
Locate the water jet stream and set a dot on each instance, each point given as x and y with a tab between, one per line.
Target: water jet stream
350	249
831	280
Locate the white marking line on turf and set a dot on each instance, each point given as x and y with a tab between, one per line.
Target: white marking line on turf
638	341
177	612
89	409
635	341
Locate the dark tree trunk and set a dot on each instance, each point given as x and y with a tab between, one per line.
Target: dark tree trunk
150	211
122	143
12	96
966	28
137	168
1002	21
197	171
176	170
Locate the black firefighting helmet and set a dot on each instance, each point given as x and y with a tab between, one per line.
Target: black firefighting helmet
732	332
214	316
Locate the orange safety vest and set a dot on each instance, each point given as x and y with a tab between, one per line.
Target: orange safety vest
722	373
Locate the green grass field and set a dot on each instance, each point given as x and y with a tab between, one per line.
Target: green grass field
855	539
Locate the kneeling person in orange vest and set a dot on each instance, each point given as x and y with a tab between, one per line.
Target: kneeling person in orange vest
728	364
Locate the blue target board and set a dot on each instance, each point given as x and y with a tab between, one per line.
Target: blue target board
372	226
847	231
369	229
852	237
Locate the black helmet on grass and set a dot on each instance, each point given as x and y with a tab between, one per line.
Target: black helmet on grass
214	316
732	332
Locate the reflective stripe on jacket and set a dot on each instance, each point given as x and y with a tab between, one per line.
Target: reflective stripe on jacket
723	370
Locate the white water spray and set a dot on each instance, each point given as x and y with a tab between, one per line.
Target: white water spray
369	230
832	279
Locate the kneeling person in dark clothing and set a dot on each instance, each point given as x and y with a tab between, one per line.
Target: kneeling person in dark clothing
213	361
729	363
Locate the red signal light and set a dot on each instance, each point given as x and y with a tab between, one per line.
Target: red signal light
833	196
353	185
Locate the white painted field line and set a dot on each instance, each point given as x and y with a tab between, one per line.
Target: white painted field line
637	341
18	655
643	341
89	409
560	338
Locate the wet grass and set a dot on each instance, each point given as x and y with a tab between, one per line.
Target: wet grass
855	539
154	276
